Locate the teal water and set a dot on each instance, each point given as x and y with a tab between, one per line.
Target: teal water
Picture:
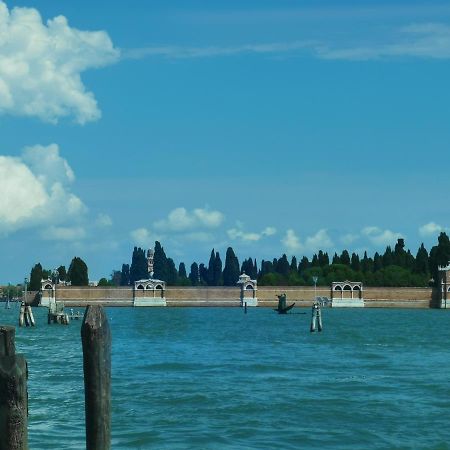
207	378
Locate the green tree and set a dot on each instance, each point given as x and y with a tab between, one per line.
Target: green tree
36	276
439	255
139	267
182	271
62	273
160	267
194	275
125	275
345	258
422	265
172	274
103	282
355	263
231	270
78	272
217	278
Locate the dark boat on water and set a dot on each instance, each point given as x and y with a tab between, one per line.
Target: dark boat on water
282	308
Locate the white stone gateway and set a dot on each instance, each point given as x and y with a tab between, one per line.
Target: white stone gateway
248	290
347	294
149	292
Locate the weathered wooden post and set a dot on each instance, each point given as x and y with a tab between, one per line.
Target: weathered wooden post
96	341
13	394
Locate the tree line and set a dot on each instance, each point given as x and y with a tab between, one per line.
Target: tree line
395	267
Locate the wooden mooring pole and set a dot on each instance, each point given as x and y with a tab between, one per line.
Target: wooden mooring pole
13	394
96	341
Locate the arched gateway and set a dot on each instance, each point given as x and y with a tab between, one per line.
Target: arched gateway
347	294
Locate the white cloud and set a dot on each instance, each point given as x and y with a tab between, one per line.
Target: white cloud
319	241
41	64
349	238
34	193
103	220
64	233
292	242
426	40
380	237
143	237
238	233
180	219
431	229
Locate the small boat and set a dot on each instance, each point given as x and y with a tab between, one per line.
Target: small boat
282	308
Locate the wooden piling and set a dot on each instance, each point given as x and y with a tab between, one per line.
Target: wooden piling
22	315
96	341
13	394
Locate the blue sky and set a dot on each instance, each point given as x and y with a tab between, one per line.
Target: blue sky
270	126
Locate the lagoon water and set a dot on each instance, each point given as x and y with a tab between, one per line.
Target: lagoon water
215	378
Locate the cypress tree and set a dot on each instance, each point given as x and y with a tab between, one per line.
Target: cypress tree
323	258
421	265
125	275
194	275
377	262
388	257
210	273
315	261
203	274
36	276
139	267
439	255
283	266
78	272
182	271
62	273
303	265
231	270
355	263
294	265
345	258
336	259
217	277
172	274
160	267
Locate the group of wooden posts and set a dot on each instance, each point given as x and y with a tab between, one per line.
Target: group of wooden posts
96	343
26	316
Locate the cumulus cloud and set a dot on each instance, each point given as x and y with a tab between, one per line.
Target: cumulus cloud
103	220
238	233
180	219
36	190
41	64
319	241
380	237
143	237
349	238
431	229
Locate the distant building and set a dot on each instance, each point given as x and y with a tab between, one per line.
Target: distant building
444	281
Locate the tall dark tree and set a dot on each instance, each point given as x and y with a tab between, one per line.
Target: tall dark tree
355	263
139	267
400	256
203	274
194	276
116	276
172	274
36	276
345	258
315	261
160	268
231	270
294	264
303	265
78	272
377	262
388	257
125	275
210	273
266	268
336	259
283	266
217	277
62	273
422	265
439	255
323	258
249	268
182	270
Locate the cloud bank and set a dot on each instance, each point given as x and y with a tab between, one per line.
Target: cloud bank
36	191
41	64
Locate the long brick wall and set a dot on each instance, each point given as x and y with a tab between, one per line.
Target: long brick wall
229	296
